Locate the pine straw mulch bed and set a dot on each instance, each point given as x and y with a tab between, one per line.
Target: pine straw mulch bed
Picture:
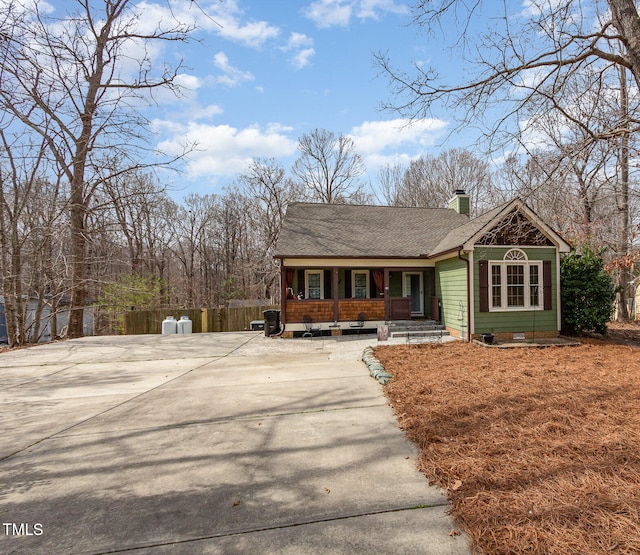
538	449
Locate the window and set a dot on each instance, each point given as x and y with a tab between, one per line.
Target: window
515	285
534	284
360	284
516	282
314	284
496	286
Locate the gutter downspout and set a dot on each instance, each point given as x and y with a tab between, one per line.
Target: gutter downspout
466	261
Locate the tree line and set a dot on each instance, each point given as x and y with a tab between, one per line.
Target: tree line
147	250
84	217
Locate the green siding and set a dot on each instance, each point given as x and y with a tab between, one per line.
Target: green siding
395	284
461	204
515	321
451	290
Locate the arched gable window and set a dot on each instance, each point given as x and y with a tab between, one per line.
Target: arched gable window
516	282
515	254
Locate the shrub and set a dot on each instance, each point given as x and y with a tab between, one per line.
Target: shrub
588	292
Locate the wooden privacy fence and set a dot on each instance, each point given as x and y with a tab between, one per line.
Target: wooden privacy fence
203	319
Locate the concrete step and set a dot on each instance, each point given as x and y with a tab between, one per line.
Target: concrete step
401	328
418	330
441	332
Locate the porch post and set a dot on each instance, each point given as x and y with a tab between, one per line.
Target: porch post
387	300
283	293
335	294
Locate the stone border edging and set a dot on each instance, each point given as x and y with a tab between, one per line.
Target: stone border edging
376	370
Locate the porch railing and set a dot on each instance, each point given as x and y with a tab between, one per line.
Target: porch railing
323	310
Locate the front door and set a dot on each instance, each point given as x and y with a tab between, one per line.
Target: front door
412	285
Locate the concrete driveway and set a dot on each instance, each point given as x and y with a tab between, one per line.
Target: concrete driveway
207	443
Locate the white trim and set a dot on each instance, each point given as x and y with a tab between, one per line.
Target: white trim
306	283
521	247
515	255
371	263
558	289
526	286
558	241
353	284
471	309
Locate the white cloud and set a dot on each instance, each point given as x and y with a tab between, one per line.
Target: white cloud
377	136
205	112
228	17
298	40
395	141
330	13
303	58
19	9
338	13
302	46
224	18
231	76
536	8
188	90
370	9
223	150
189	82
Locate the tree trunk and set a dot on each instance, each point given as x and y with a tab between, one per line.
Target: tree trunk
78	261
78	203
627	21
623	248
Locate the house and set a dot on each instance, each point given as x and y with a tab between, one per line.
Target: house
498	273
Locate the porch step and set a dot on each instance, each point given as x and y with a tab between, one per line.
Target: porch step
420	333
417	329
414	325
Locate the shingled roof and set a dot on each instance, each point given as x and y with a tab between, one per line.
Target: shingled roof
346	230
458	236
461	236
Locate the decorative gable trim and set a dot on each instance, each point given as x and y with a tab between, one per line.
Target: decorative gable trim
519	220
515	229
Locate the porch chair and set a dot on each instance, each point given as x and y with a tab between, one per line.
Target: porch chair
311	328
362	318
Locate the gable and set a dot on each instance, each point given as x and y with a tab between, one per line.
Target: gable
515	229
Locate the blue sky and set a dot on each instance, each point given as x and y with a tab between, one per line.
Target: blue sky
265	73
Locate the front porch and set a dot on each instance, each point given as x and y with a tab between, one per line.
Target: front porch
340	300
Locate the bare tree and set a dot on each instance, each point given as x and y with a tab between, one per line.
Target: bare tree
521	56
136	201
548	58
390	183
564	144
328	166
191	224
545	187
30	215
266	184
70	82
429	181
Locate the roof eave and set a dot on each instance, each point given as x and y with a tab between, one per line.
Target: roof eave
450	250
352	257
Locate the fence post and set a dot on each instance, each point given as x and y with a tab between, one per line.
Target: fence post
205	320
